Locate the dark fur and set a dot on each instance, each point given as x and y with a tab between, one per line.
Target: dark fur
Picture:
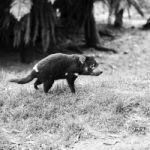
60	66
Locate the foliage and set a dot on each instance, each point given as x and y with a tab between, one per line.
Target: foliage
145	4
19	8
34	21
116	6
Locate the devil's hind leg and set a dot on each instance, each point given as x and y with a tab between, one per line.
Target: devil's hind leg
36	83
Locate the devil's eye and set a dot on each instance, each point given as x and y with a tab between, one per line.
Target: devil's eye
92	66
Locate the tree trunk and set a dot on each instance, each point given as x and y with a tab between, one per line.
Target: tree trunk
110	2
119	18
110	16
147	25
91	34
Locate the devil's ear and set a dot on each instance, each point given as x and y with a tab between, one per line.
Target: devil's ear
82	59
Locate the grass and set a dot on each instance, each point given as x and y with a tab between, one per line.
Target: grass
101	104
116	103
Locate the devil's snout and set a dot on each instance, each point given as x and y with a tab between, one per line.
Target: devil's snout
96	72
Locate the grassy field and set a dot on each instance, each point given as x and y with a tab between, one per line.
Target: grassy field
111	111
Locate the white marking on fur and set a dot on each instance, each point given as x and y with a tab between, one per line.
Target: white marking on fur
36	68
76	74
86	68
66	73
92	67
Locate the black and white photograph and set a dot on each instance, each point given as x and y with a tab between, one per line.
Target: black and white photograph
75	75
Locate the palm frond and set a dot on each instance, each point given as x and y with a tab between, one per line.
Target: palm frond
136	6
20	8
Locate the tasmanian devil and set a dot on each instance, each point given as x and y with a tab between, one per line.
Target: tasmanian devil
60	66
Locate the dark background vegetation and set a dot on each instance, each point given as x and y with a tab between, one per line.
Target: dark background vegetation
46	27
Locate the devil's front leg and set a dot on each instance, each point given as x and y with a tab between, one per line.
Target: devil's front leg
71	79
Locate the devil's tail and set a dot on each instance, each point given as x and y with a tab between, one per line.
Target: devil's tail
26	79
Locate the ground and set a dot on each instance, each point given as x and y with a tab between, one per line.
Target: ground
128	82
108	112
